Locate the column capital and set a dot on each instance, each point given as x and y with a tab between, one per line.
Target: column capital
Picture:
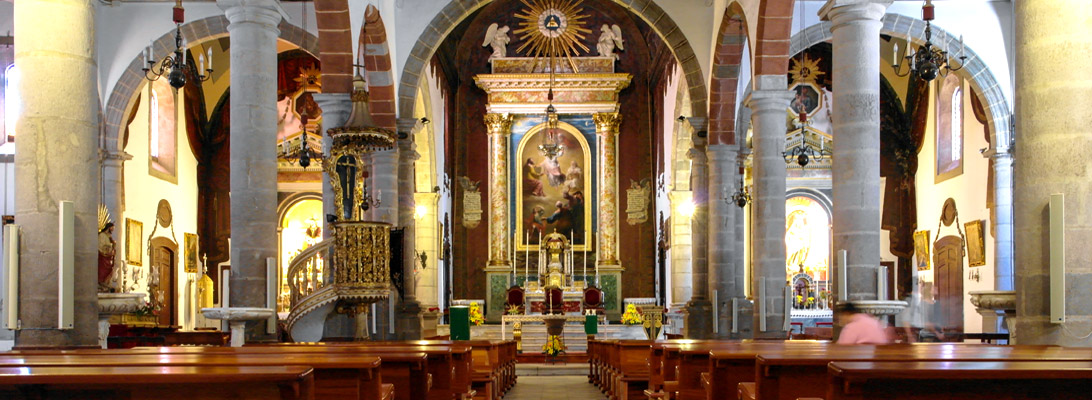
264	12
1002	155
722	152
768	100
407	125
679	196
107	156
498	124
840	12
607	123
333	102
698	123
697	157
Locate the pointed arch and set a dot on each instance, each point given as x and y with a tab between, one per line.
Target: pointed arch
374	54
724	83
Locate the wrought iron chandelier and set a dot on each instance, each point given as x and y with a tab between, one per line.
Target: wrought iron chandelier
929	61
174	64
551	146
304	154
804	152
742	196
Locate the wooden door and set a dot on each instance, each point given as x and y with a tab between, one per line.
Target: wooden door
948	261
163	263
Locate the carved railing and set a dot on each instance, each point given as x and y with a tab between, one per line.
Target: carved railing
308	271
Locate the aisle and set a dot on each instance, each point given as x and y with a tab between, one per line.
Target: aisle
569	387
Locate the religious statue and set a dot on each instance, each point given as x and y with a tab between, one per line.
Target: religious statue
107	250
609	39
497	37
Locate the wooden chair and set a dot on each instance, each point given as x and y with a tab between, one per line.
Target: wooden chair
554	300
593	300
514	300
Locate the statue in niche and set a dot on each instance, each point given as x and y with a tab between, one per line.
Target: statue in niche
497	37
108	275
609	39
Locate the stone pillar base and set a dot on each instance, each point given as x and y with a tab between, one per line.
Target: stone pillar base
408	320
610	282
699	319
497	281
676	319
743	315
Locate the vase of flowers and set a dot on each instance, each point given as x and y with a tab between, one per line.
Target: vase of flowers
476	317
553	347
631	316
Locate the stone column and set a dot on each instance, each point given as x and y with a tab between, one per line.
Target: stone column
409	316
699	309
253	32
499	268
768	103
1002	219
682	270
855	25
606	129
722	233
499	127
1052	142
428	236
113	197
384	186
335	111
57	155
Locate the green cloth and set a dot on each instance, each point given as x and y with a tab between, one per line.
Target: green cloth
591	324
460	323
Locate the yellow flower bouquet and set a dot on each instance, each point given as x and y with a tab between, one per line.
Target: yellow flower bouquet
553	346
631	316
476	317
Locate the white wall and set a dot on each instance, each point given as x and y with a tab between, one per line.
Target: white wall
143	192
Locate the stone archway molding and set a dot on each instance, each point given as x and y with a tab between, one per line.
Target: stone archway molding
129	84
458	10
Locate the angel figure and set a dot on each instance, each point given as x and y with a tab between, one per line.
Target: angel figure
610	39
497	36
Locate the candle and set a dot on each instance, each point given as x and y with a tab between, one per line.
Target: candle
895	55
585	254
527	258
962	47
146	57
201	65
881	276
151	52
210	57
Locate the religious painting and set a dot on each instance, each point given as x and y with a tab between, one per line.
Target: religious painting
807	238
806	99
553	186
921	250
976	243
949	128
191	252
134	232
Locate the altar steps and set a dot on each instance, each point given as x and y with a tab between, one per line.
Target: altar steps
541	369
534	335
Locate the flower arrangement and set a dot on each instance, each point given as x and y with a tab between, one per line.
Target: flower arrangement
147	310
553	346
476	317
631	316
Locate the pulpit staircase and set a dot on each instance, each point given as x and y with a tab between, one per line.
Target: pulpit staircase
311	299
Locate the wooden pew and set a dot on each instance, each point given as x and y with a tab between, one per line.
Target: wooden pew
967	380
795	373
164	383
730	365
629	368
336	376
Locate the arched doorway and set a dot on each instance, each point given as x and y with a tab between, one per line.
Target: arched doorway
300	227
807	251
161	279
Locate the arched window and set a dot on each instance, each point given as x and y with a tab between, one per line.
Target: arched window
949	128
12	103
957	123
162	131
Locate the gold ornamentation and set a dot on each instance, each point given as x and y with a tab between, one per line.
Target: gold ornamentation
310	79
805	70
607	123
362	258
552	28
498	124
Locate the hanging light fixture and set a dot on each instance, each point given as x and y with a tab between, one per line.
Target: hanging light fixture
742	196
174	64
304	154
928	61
804	152
551	147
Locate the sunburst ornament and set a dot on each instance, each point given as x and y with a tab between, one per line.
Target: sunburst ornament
552	28
805	70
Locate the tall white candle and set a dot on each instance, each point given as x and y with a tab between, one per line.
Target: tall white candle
895	55
527	259
585	258
962	47
225	288
210	57
881	285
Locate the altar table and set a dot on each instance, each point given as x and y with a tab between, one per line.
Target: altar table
537	318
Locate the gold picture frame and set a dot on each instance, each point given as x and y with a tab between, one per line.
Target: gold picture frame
134	237
921	250
191	252
976	243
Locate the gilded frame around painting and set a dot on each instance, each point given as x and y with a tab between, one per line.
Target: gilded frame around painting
521	239
921	250
134	237
191	252
976	243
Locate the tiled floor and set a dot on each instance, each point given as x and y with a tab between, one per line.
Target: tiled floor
554	387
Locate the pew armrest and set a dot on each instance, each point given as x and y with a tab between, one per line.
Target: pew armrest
387	390
651	394
746	391
706	383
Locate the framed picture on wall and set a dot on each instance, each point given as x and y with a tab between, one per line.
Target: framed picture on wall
134	231
921	250
191	252
976	243
949	128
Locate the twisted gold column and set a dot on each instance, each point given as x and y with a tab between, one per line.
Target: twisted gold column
606	128
499	126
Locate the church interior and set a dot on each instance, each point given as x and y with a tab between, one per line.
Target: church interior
623	199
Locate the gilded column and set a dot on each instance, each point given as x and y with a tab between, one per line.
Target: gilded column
606	128
499	126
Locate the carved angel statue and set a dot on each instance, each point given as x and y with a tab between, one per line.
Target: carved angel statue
610	39
468	185
497	36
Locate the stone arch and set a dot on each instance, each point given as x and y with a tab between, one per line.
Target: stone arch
772	37
977	73
127	88
457	11
374	54
724	83
336	51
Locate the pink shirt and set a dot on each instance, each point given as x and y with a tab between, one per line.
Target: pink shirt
863	329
